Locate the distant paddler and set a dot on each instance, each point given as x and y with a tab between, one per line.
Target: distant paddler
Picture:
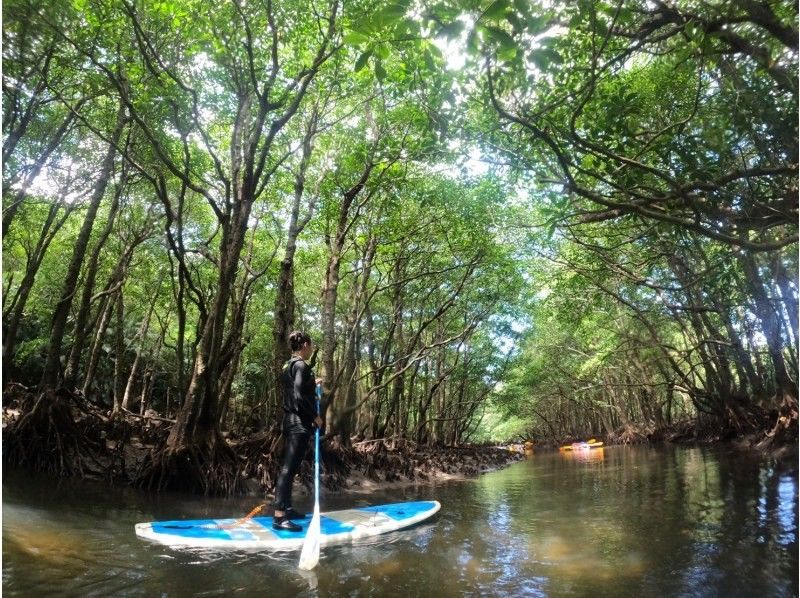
528	448
582	446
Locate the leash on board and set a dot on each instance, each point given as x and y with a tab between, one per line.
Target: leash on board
239	522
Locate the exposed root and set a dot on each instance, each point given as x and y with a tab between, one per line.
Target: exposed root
212	470
57	434
784	431
260	456
376	462
631	434
53	438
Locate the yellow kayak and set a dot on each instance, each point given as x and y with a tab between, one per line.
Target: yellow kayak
582	446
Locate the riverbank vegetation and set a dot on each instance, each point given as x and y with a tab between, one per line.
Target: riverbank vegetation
499	220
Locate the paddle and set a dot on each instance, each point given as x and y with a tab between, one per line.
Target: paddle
309	556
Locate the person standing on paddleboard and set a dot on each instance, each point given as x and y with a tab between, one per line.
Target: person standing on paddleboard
299	418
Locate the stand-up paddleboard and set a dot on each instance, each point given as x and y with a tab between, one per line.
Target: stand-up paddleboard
337	527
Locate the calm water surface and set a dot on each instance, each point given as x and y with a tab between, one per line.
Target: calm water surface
615	522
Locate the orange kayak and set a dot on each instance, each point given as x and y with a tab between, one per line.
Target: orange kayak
582	446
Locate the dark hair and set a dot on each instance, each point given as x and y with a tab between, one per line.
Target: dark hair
297	339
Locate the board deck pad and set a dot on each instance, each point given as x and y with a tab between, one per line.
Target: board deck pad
337	527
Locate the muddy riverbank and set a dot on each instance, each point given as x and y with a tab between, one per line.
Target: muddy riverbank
116	447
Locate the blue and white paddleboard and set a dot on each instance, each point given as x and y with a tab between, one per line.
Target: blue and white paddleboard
338	527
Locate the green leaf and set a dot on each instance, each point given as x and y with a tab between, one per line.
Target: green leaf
497	10
409	27
429	62
544	57
553	55
515	21
382	51
443	12
435	51
362	25
502	37
625	15
600	27
391	13
473	46
362	61
507	54
537	24
380	72
523	7
355	38
452	30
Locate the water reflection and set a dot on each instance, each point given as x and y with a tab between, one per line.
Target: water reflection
611	521
586	456
671	522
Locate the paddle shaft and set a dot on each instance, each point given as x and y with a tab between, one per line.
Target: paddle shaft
316	453
309	555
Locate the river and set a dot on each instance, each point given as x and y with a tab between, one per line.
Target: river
618	521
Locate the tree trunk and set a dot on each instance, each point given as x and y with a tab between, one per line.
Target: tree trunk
284	297
771	326
10	212
29	52
106	310
226	387
52	365
441	394
197	422
345	422
330	292
119	352
147	379
79	329
787	298
142	338
20	300
180	340
397	335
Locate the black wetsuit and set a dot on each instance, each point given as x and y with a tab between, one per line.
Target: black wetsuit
299	411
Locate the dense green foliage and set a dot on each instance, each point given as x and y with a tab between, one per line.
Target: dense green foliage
570	219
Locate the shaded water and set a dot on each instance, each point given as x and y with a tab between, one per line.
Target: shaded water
614	522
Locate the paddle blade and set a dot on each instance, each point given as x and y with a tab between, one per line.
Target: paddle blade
309	556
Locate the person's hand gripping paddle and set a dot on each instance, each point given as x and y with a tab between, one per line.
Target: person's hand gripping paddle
309	556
